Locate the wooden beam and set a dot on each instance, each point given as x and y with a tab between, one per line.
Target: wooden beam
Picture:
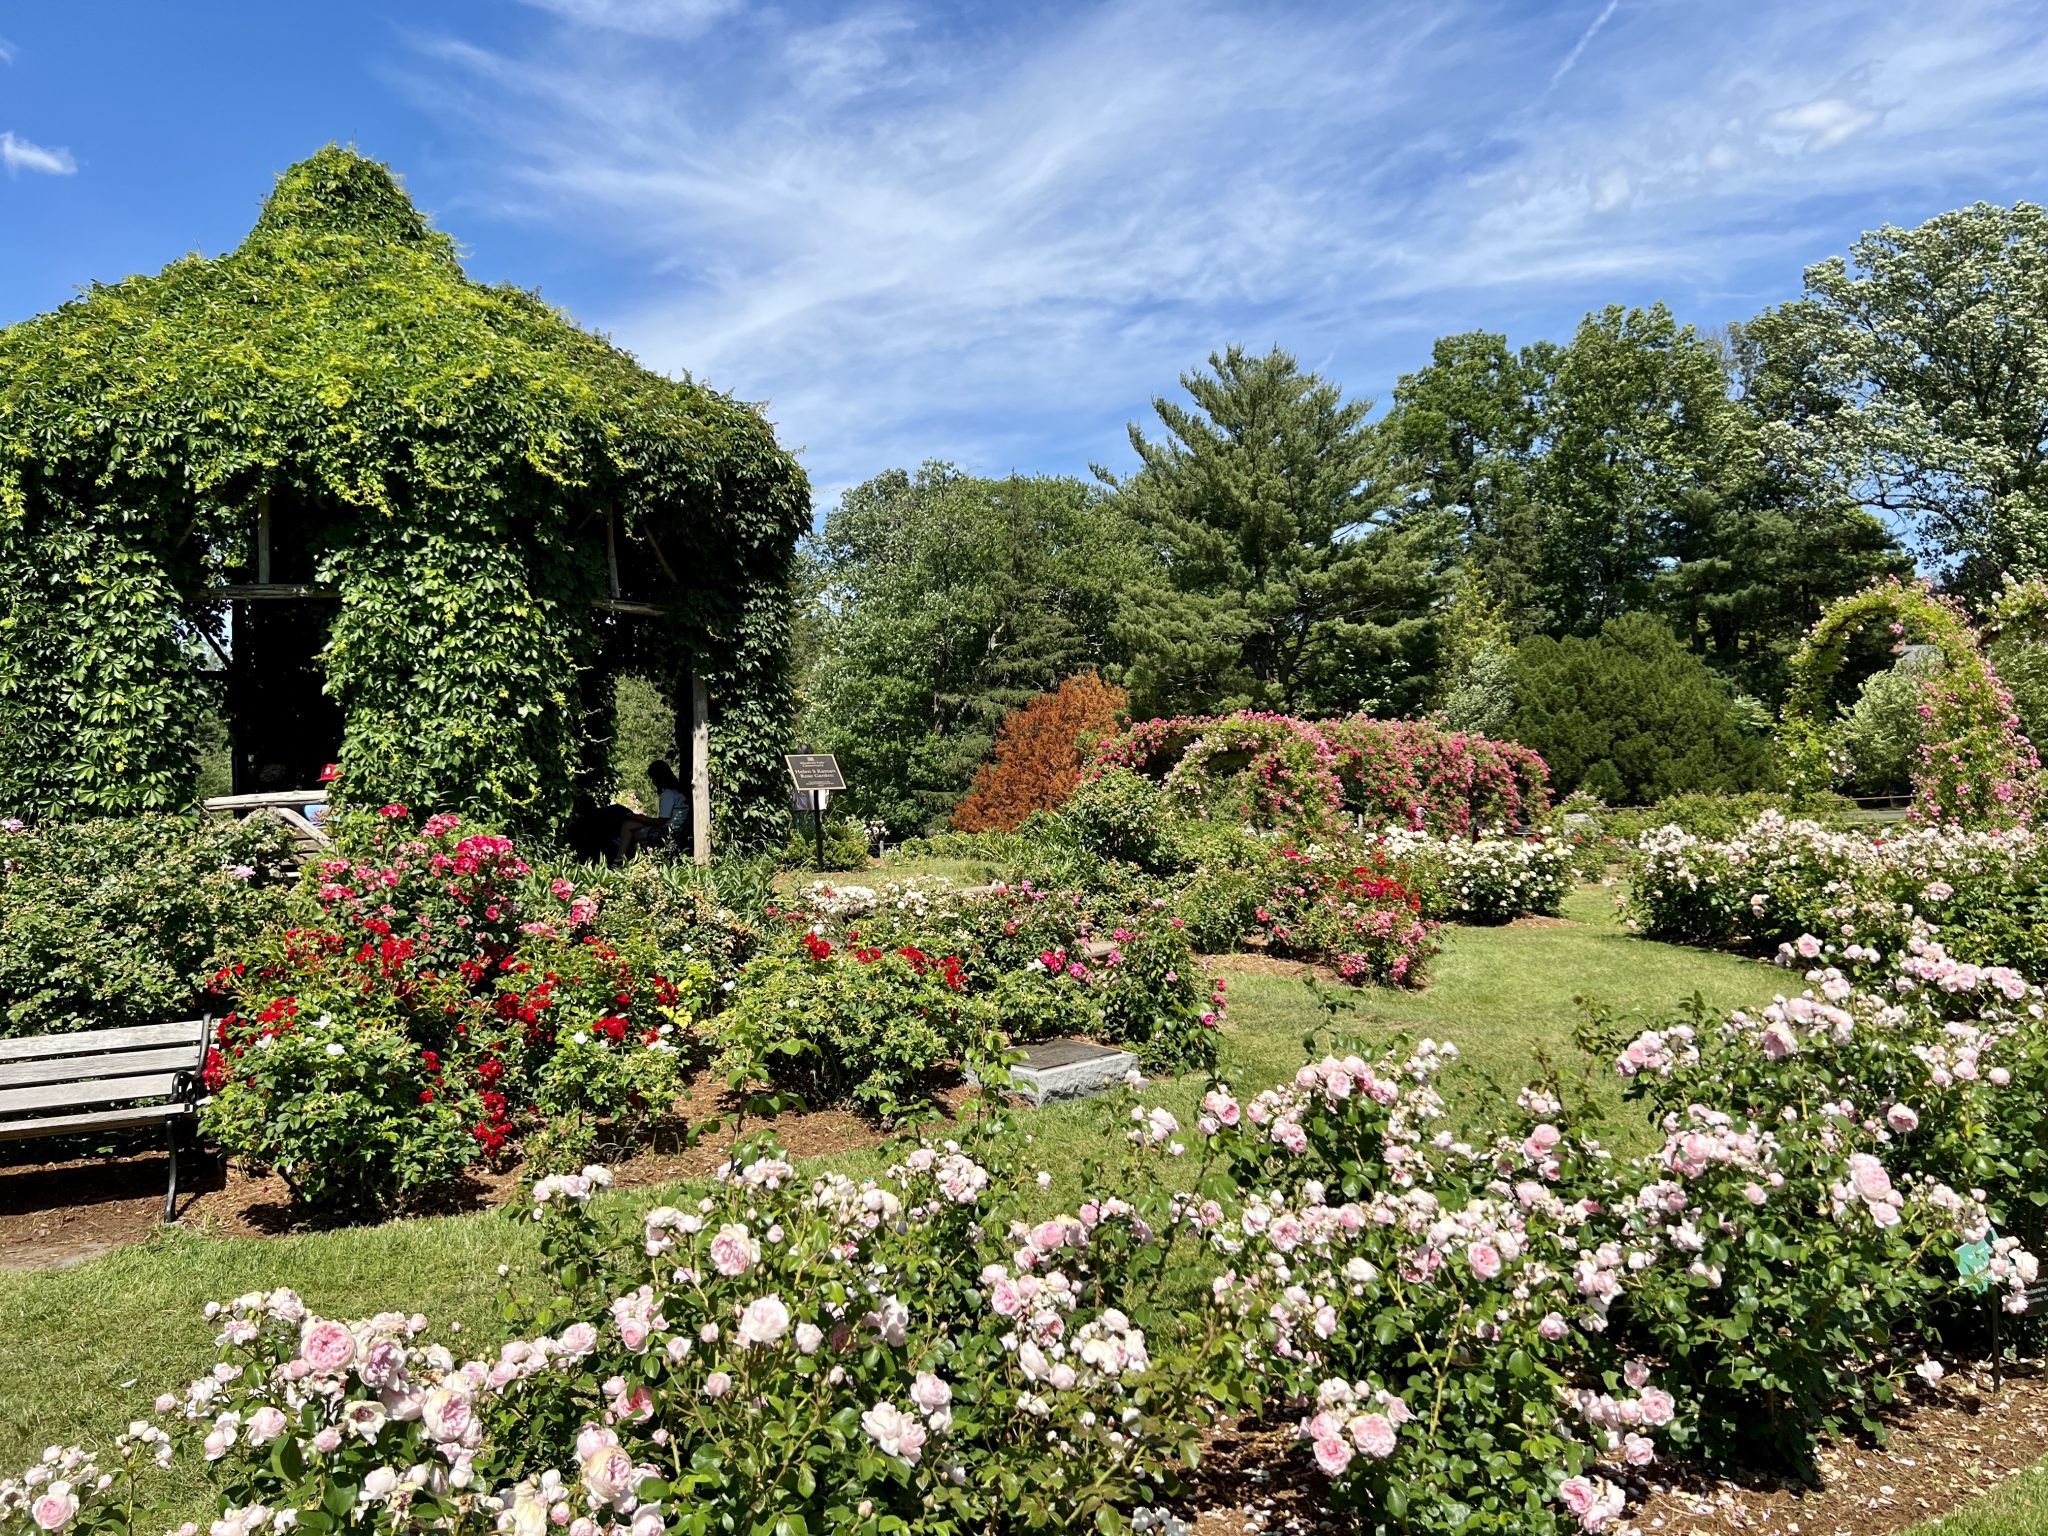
627	606
266	591
263	538
700	770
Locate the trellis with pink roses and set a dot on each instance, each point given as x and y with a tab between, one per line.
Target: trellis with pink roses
1975	767
1280	772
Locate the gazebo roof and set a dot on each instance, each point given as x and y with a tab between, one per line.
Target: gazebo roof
340	349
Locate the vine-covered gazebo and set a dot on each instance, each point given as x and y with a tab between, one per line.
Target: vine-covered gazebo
422	524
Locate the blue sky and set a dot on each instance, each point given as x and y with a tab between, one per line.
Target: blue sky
991	233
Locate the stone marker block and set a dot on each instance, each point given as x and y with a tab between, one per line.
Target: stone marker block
1069	1069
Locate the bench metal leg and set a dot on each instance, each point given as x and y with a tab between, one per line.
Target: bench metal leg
171	1194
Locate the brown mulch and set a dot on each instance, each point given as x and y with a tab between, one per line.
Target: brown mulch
58	1213
1952	1444
1252	963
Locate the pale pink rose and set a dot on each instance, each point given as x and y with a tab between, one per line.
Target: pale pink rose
1049	1236
717	1384
1373	1433
381	1362
1902	1118
579	1339
446	1415
1578	1494
1808	947
1658	1407
930	1392
327	1346
1779	1042
1333	1454
1867	1174
1637	1451
265	1425
1552	1327
808	1338
1484	1259
1636	1374
609	1474
894	1431
764	1321
327	1440
733	1251
53	1511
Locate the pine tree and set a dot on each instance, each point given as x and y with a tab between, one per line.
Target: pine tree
1275	582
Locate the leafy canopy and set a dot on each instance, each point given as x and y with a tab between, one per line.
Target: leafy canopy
1914	375
945	601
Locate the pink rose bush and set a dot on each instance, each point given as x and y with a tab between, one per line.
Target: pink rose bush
1781	880
1488	1323
851	1355
1300	776
1824	1160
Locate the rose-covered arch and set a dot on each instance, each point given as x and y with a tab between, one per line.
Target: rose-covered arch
1278	771
1975	766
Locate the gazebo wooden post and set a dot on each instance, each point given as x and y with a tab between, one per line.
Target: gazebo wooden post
700	770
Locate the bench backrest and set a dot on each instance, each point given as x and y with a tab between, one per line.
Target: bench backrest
45	1073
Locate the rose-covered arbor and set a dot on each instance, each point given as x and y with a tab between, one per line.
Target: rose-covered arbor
423	522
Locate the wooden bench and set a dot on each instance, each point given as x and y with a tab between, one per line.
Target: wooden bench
287	806
105	1080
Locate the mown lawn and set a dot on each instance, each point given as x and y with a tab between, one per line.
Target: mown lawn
88	1347
2017	1507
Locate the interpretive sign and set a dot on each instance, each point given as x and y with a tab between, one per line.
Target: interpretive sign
814	770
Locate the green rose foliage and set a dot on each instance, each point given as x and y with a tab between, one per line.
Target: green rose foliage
426	1001
115	922
872	1028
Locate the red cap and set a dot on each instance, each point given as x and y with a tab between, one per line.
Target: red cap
330	773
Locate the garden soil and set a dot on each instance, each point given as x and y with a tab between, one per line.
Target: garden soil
54	1214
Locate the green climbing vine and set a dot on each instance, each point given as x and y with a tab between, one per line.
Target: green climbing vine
1975	767
460	451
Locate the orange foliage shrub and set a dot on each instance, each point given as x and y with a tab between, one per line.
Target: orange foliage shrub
1038	753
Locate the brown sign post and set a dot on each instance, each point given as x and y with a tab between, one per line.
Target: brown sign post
812	773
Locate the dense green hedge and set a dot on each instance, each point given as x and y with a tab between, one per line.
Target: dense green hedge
121	921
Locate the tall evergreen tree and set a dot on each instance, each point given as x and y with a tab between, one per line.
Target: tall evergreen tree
1277	580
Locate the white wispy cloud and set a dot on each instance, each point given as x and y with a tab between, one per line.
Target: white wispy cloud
6	51
1823	123
18	154
1585	37
992	238
644	18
